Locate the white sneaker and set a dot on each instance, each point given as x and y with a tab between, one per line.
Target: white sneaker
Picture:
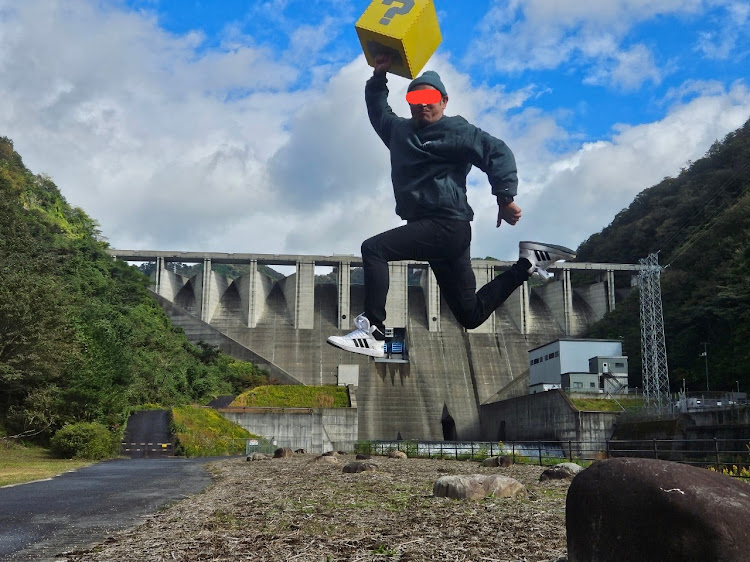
360	340
543	255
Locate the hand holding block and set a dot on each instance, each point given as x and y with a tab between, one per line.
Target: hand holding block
407	29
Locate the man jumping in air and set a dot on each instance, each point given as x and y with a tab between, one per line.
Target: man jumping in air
431	155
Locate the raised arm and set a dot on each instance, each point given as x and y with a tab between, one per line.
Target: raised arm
376	97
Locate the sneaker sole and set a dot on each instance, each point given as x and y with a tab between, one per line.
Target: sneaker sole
566	253
359	350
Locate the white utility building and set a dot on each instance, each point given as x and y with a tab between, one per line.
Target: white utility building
579	365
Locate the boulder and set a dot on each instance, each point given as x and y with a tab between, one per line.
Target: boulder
503	461
283	452
477	486
562	471
359	466
258	457
330	454
326	459
363	457
299	451
571	467
397	455
646	509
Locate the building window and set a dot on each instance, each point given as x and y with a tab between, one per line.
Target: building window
592	384
577	385
557	354
619	364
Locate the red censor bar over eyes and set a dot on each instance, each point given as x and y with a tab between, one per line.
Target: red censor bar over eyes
416	97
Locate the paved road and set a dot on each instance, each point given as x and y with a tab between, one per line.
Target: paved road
41	519
147	435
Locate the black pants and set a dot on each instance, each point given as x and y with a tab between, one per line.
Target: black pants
444	243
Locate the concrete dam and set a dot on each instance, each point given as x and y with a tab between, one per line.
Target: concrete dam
436	393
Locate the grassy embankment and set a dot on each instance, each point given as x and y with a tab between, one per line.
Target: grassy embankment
607	404
205	432
294	396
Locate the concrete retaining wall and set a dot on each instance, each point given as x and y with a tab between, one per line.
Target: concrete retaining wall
317	430
547	416
719	423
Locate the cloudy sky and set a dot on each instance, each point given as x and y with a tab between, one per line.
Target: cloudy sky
240	125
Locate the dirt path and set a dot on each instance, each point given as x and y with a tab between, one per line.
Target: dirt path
298	509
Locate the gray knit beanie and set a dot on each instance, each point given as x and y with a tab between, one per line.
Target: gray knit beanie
431	78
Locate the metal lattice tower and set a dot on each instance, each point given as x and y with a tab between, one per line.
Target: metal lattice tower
653	348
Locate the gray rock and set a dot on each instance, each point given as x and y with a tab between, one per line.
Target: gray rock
326	459
477	486
397	455
363	457
502	461
258	457
646	509
359	466
561	472
283	452
571	467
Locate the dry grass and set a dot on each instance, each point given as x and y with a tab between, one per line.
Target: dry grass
297	509
25	464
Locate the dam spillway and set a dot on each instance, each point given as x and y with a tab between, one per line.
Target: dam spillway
282	325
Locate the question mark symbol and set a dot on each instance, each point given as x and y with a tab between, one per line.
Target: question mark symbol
394	11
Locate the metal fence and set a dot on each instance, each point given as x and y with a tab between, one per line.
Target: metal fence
716	453
260	445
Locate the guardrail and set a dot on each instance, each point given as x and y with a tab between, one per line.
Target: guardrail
718	453
146	449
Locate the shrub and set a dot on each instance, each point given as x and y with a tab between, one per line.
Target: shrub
83	440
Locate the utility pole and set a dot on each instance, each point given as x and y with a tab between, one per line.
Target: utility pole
705	356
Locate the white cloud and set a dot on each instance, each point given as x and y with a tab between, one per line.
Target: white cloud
626	69
582	192
727	37
174	146
132	123
517	35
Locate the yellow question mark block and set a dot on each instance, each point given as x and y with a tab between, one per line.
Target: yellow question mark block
407	29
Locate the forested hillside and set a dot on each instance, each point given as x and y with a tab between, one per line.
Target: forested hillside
699	222
80	337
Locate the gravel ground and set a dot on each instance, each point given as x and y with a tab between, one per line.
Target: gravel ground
302	509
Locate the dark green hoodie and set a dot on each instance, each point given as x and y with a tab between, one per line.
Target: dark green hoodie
429	164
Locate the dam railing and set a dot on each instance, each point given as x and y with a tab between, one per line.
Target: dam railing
719	454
